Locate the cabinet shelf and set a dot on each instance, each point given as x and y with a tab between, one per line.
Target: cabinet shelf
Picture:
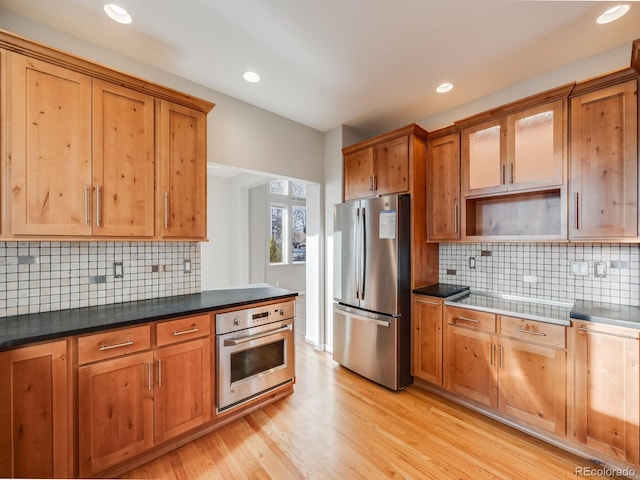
535	215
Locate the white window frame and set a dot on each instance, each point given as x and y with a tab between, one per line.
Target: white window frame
287	202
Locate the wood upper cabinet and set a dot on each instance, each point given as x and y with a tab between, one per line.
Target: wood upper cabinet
123	161
443	188
115	411
426	339
521	151
604	163
49	123
378	169
607	389
183	171
358	174
35	427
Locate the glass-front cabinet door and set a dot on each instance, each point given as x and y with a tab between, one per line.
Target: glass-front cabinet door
483	151
536	147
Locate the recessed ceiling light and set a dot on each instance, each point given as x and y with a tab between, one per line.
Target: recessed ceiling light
117	13
613	14
251	77
444	87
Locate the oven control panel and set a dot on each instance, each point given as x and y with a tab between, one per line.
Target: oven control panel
253	317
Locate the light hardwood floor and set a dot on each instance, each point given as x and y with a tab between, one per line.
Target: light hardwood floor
337	425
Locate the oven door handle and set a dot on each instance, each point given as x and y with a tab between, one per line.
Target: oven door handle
248	338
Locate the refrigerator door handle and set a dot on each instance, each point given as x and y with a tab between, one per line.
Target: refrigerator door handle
356	249
363	253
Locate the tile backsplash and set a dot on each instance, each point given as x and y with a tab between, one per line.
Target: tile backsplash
45	276
547	269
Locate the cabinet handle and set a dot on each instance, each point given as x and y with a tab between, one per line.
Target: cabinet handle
472	320
86	205
501	355
375	182
159	373
184	332
455	218
493	354
531	332
435	304
148	376
588	330
117	345
166	210
577	210
511	173
371	182
503	180
97	204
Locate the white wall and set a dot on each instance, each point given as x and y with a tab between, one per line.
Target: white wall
216	262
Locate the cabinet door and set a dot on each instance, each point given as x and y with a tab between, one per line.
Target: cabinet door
115	411
536	147
183	172
34	421
470	366
50	148
443	180
607	390
532	384
358	174
182	397
604	163
123	161
391	167
426	316
484	158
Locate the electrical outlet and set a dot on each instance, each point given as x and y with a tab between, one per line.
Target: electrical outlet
187	265
599	269
118	270
472	263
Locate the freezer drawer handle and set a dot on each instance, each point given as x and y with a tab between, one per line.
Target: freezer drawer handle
382	323
248	338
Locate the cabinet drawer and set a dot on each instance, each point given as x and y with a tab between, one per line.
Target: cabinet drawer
113	343
474	319
182	329
532	331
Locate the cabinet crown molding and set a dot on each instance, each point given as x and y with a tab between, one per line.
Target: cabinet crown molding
413	129
15	43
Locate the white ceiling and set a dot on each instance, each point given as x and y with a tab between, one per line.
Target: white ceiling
370	64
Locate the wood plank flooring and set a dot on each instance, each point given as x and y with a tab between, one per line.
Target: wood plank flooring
337	425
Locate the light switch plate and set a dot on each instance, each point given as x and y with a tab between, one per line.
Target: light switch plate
187	265
580	269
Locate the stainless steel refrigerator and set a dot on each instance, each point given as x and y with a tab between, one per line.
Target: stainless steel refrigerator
371	289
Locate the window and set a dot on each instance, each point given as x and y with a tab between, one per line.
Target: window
287	222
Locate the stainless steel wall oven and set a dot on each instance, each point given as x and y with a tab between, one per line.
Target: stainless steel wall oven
255	352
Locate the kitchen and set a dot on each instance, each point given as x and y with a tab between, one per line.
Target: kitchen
221	124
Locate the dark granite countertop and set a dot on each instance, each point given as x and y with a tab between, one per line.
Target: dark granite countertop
611	313
441	290
23	329
531	309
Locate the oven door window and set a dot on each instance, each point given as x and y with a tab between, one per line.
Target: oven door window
253	361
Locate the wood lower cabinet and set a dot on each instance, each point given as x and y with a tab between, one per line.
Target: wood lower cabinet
516	366
115	411
532	374
426	339
35	401
470	367
183	171
607	390
443	188
182	393
129	402
604	163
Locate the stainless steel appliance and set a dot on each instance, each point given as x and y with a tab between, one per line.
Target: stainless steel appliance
371	290
255	352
